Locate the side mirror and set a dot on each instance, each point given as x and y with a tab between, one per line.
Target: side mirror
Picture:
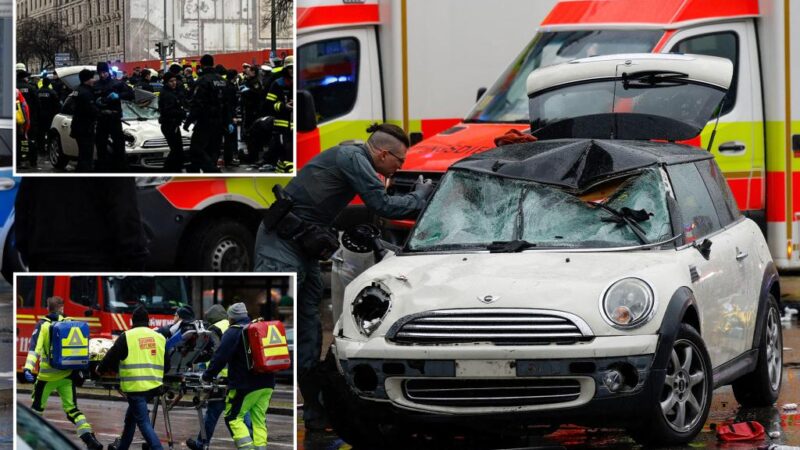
88	313
704	248
415	138
306	113
481	91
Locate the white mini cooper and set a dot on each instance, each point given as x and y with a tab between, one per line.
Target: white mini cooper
601	275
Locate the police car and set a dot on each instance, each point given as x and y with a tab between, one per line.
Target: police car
10	260
602	275
145	144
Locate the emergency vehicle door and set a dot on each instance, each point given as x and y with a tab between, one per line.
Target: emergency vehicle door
338	68
739	142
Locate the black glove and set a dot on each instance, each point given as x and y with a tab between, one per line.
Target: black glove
423	186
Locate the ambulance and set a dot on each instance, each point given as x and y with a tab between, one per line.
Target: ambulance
757	142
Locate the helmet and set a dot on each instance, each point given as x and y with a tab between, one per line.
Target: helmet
266	68
288	61
21	66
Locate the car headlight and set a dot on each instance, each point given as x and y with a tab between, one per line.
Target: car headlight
370	307
628	303
130	140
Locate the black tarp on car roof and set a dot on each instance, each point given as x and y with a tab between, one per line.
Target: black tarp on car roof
577	164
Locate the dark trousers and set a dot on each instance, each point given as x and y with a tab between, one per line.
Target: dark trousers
137	416
280	147
110	126
205	147
172	133
85	153
231	145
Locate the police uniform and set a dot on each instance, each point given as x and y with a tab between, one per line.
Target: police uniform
171	115
49	106
51	379
139	355
82	128
320	191
247	392
109	122
252	100
212	115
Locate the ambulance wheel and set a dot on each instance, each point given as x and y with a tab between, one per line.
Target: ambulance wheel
54	152
223	245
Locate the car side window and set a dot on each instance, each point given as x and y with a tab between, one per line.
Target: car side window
69	105
723	45
329	71
720	192
697	209
83	290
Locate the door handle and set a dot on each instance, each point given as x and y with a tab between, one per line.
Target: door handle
732	147
740	255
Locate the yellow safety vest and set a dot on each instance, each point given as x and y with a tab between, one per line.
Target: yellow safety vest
223	327
46	371
143	369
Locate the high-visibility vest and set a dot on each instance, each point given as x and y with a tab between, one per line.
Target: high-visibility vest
143	369
223	327
46	371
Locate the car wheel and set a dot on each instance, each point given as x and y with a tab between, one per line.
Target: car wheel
762	386
54	152
685	397
221	246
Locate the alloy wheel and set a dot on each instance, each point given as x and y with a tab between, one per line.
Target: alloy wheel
686	384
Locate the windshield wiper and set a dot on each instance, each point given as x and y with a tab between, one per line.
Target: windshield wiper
514	246
627	216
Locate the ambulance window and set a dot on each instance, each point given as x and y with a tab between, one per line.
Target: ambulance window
720	192
26	292
723	45
83	291
329	71
695	204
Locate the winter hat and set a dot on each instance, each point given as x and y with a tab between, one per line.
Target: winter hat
85	75
140	317
237	312
185	312
215	314
175	69
102	66
207	61
168	76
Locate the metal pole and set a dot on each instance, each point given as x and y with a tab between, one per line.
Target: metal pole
163	50
273	35
223	26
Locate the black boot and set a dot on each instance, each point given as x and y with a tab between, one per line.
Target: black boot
114	445
194	444
91	441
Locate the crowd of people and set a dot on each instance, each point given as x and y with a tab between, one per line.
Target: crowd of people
221	106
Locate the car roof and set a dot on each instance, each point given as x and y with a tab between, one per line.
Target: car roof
578	164
700	68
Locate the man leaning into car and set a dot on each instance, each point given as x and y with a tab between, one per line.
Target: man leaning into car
84	120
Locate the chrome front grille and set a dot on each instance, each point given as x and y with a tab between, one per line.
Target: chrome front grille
458	392
500	326
162	142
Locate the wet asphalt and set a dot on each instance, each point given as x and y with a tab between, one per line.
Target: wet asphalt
783	424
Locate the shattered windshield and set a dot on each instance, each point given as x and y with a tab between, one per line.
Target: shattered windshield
507	100
473	210
651	106
146	109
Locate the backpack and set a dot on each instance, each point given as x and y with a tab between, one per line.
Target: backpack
69	345
266	347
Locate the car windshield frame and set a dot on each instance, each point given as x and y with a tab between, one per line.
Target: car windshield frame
157	285
511	218
548	48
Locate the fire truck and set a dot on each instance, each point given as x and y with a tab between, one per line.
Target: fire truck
106	303
757	143
231	60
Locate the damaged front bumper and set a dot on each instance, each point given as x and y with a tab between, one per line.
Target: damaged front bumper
585	380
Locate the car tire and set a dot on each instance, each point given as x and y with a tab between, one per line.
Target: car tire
224	245
54	152
762	386
687	388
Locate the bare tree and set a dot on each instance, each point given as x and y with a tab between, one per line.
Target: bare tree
39	39
282	13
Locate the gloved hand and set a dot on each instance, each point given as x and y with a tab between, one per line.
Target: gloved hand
231	128
423	186
186	125
28	375
113	96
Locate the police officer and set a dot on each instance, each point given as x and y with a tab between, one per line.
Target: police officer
84	120
280	104
30	92
138	355
49	106
319	192
51	379
252	103
108	94
171	115
218	318
213	116
247	392
231	145
144	83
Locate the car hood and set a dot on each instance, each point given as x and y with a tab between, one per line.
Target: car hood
563	281
438	152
